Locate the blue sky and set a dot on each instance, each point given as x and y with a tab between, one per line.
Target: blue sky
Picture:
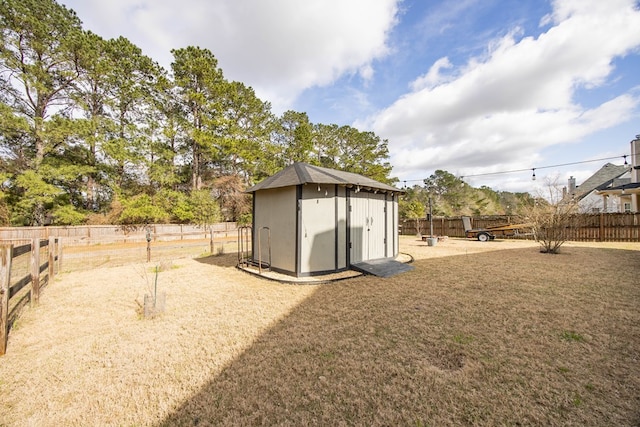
468	86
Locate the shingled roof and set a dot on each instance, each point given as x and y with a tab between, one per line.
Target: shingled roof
600	180
304	173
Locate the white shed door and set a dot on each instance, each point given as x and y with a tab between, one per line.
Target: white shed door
367	226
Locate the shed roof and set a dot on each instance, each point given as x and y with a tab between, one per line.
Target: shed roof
304	173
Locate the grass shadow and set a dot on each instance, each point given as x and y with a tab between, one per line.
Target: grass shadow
221	260
473	339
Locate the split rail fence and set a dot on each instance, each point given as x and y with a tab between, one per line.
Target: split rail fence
31	256
602	227
25	268
106	234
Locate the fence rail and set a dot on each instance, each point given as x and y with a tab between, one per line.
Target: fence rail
105	234
32	264
602	227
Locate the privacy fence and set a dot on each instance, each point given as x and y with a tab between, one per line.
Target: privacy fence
603	227
25	268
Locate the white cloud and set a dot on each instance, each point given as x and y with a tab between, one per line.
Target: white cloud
498	111
366	72
433	76
279	47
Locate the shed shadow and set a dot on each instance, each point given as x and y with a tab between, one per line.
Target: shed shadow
222	260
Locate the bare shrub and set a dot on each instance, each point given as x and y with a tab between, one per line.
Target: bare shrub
550	216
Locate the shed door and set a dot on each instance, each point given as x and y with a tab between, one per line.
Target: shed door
367	226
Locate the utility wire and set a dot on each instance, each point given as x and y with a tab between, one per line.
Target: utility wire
530	169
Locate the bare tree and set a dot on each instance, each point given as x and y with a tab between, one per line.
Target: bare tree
550	216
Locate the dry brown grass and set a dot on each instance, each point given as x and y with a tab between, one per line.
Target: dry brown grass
478	334
93	256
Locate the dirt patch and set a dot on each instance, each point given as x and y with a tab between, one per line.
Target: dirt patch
479	333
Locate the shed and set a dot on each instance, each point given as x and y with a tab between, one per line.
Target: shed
323	220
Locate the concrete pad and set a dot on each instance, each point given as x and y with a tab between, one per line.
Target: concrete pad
382	267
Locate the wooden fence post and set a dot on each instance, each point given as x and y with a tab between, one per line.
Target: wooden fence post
5	284
35	271
601	234
52	257
59	253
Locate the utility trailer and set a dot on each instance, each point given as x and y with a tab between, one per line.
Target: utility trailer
490	233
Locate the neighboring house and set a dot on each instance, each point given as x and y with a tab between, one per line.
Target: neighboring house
621	198
587	195
323	220
624	195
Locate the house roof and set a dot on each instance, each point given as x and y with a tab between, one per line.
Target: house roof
600	180
304	173
628	188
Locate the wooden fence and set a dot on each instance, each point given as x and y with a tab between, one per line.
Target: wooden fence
105	234
603	227
22	265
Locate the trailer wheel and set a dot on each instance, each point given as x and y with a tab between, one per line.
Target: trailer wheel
483	237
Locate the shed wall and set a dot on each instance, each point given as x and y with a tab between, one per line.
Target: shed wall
333	227
390	236
377	226
318	229
367	226
357	227
276	209
395	230
341	217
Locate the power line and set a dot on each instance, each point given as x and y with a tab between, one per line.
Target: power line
533	169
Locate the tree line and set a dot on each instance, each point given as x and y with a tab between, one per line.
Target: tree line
452	196
94	131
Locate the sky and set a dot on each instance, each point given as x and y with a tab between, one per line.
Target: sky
478	88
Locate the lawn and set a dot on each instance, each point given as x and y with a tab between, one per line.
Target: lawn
491	333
